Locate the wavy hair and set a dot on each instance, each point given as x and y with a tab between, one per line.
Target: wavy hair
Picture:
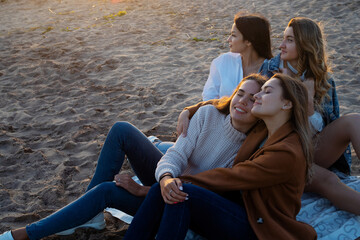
295	91
310	46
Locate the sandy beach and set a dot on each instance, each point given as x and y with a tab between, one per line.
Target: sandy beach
70	69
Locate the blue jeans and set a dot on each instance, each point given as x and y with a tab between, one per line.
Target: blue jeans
205	212
123	139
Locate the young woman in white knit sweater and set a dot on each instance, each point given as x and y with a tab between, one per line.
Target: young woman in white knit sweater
211	136
260	194
213	141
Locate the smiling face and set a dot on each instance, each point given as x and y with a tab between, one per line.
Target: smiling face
269	101
236	40
241	105
288	47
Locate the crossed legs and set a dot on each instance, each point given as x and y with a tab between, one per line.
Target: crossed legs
123	139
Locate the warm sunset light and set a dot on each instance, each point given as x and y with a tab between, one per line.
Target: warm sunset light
105	119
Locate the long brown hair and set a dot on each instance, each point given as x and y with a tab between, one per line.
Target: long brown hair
310	46
223	105
256	29
295	91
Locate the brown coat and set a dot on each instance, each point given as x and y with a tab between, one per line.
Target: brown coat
272	181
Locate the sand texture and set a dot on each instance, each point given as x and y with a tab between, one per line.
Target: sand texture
70	69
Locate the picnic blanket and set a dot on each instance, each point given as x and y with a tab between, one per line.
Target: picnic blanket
329	222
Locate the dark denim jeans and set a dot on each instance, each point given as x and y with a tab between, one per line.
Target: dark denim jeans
205	212
123	139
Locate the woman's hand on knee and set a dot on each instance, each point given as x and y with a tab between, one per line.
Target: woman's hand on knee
183	123
125	181
171	190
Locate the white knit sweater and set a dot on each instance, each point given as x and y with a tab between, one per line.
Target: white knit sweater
211	142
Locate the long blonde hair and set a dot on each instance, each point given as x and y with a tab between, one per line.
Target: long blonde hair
295	91
310	46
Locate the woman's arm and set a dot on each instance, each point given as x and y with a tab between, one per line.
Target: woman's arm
276	162
171	189
331	104
176	158
187	114
271	168
183	123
